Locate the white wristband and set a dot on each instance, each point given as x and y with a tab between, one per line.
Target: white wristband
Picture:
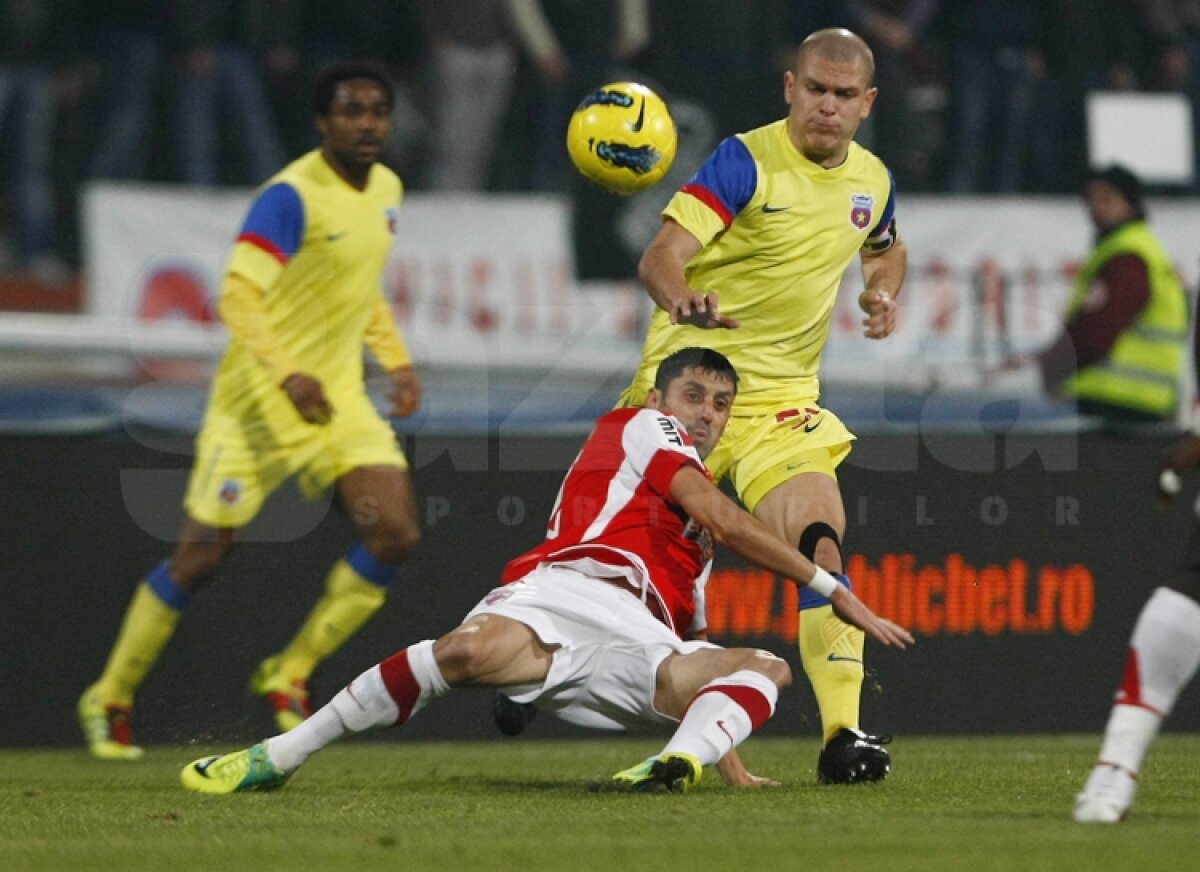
823	583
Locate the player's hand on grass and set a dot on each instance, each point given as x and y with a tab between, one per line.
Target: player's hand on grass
880	308
405	393
308	396
734	773
1180	455
700	309
852	610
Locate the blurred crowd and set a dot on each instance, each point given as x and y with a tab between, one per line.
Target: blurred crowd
976	96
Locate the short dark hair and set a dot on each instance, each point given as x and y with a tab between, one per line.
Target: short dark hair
1123	181
839	45
333	75
694	357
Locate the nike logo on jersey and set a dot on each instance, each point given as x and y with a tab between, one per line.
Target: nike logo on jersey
334	237
838	658
808	428
637	125
768	208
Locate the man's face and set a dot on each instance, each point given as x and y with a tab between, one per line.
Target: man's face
828	101
1107	206
701	401
358	123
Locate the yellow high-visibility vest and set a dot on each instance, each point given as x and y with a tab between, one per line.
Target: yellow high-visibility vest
1142	370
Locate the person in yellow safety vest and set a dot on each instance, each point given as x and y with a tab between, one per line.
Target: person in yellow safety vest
1121	351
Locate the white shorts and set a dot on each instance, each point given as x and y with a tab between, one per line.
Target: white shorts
603	673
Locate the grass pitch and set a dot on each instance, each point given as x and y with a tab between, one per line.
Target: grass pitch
976	804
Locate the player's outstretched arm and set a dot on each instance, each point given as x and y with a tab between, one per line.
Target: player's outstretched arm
749	538
661	270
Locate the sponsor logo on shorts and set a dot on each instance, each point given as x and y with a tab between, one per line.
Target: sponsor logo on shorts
838	658
498	596
806	415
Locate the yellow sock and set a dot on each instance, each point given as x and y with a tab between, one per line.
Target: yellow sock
149	623
831	652
349	601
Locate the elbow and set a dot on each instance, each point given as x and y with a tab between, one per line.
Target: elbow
225	307
645	267
726	532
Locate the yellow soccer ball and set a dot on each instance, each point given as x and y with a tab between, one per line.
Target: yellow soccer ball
622	137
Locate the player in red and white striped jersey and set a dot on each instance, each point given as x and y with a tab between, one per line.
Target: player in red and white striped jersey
613	517
590	624
1163	655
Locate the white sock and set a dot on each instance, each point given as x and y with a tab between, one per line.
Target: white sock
387	694
722	714
1129	734
1164	652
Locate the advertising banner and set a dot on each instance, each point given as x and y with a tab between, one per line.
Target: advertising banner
1021	579
488	281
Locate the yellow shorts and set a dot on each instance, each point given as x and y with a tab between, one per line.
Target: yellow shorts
760	452
242	459
763	448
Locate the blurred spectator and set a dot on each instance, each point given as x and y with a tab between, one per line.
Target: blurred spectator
128	37
219	79
1121	352
996	61
896	31
473	66
1092	45
273	31
34	41
575	46
388	32
1172	29
727	57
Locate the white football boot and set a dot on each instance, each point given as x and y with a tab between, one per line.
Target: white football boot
1107	795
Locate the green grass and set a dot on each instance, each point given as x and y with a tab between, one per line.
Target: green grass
974	804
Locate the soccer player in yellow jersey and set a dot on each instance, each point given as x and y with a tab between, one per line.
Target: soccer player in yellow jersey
302	295
748	261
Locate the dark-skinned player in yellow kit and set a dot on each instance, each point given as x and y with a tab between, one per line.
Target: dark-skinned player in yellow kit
301	297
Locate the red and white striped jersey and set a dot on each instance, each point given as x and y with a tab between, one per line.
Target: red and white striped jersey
614	517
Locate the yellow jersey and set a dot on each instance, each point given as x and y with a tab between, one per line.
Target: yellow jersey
778	231
316	247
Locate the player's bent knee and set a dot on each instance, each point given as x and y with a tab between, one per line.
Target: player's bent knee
810	541
775	669
460	653
393	544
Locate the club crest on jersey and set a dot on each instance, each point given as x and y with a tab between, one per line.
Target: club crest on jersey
230	492
392	214
861	208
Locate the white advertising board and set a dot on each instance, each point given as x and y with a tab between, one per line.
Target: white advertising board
480	281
